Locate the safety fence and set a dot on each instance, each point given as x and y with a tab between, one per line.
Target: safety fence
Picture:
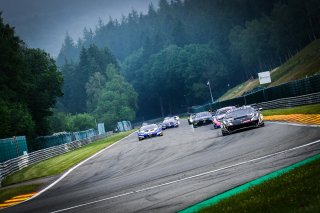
12	147
291	102
13	165
44	142
295	93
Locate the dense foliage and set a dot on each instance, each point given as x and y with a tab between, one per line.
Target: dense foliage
29	86
170	53
94	85
65	122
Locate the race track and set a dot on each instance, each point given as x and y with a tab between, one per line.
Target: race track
170	173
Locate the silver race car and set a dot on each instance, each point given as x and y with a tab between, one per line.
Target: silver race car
241	118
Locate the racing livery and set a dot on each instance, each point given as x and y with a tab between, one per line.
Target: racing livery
219	115
170	122
241	118
148	131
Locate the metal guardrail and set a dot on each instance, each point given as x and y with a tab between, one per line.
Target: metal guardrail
313	98
292	90
16	164
291	102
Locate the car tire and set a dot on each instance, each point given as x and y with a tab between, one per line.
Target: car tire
194	126
224	133
140	139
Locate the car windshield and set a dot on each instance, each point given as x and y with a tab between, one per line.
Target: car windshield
202	114
148	127
169	120
240	112
222	111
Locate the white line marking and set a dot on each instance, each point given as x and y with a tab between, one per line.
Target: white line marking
294	124
187	178
76	166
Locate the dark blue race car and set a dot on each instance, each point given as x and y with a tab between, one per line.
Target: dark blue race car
149	131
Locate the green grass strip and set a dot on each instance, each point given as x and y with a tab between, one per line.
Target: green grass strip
306	109
244	187
59	164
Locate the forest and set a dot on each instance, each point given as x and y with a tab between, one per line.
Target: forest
150	65
171	52
26	96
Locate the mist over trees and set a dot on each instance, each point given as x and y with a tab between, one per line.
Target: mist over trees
29	86
170	53
94	87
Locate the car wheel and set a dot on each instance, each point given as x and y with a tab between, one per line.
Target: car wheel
140	139
194	126
161	134
262	124
224	133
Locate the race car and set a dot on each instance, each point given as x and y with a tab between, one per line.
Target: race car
148	131
219	115
177	118
190	119
241	118
170	122
202	118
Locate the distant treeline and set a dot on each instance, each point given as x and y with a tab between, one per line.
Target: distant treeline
29	86
170	53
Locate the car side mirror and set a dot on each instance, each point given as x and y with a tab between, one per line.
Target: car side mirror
260	109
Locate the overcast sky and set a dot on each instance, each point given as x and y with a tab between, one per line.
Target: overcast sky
43	23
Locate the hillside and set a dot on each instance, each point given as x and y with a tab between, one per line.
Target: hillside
304	63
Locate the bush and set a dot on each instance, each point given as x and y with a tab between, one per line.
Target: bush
80	122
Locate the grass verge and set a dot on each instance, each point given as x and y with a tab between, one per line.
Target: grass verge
306	109
239	89
295	191
303	64
6	194
58	164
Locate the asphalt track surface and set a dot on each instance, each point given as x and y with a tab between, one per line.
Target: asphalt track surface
170	173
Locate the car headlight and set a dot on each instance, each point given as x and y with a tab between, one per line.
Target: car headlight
255	116
228	121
